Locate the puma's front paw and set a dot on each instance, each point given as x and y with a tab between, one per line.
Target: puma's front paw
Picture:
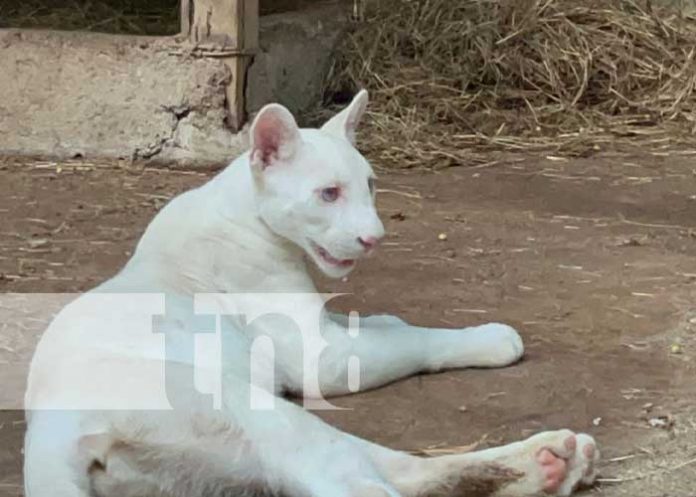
494	345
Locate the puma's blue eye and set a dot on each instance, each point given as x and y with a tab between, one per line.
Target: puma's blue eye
330	194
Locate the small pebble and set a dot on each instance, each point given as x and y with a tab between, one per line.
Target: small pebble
38	243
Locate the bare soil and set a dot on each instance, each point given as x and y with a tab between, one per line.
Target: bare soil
593	260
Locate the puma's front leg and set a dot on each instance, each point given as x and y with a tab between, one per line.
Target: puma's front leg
490	345
388	349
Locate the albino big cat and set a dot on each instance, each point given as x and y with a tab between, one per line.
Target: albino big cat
116	411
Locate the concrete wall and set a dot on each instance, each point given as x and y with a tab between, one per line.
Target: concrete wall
95	95
296	52
74	93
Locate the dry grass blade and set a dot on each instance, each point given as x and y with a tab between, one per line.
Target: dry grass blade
454	78
441	451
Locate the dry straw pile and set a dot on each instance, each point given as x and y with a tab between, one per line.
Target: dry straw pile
451	79
140	17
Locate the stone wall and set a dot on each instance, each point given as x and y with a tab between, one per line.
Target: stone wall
67	94
74	93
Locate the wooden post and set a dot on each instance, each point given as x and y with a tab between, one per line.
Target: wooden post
228	29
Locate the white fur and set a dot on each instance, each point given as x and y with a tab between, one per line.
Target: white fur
248	231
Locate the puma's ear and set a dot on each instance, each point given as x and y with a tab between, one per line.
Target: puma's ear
274	136
346	122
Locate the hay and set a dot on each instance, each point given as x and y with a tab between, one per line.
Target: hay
137	17
152	17
452	79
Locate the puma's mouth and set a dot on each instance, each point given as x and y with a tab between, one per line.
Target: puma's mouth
325	256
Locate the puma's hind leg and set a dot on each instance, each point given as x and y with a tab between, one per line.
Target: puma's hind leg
549	463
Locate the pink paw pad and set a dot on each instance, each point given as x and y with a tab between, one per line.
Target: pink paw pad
555	467
589	452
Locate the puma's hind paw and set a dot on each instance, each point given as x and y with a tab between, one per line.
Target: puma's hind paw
554	463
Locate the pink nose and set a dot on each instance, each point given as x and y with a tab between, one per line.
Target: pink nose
368	242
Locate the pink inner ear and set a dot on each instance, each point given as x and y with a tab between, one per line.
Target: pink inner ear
274	137
267	139
353	120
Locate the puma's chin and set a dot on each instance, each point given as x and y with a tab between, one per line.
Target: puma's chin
330	265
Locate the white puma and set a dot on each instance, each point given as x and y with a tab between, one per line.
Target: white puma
296	193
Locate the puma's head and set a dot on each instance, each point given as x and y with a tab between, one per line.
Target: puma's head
314	188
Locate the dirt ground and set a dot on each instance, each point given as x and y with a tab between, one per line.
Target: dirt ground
594	260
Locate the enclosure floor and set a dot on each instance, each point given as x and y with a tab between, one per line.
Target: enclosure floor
594	260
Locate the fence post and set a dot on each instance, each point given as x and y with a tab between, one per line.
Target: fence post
229	30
